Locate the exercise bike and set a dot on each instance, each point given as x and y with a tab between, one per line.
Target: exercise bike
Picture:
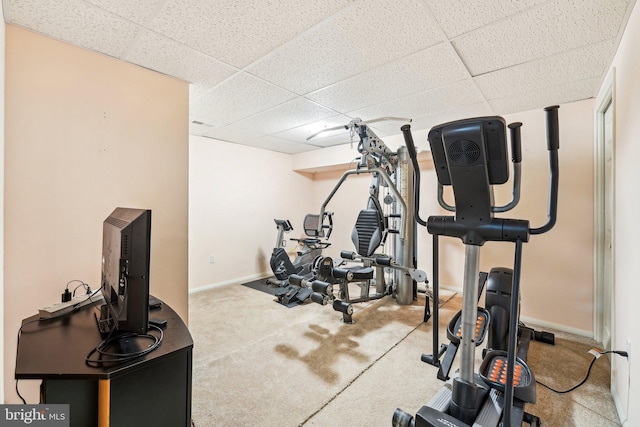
309	251
470	155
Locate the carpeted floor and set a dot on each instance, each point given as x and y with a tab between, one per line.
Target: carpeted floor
259	363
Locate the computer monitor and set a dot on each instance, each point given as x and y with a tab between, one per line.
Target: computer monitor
126	247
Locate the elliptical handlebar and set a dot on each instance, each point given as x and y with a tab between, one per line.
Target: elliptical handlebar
413	155
553	135
553	144
516	142
516	159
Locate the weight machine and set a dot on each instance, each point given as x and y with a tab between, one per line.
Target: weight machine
377	274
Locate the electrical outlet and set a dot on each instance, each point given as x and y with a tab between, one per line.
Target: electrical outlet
212	259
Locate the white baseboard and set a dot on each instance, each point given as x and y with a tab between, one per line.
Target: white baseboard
620	406
236	281
557	326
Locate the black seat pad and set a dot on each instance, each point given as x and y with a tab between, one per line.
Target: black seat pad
361	273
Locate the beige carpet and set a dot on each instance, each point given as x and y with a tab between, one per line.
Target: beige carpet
257	363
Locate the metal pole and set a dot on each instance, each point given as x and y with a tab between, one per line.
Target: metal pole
513	335
435	325
405	254
469	312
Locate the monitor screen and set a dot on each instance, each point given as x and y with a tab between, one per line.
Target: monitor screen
126	247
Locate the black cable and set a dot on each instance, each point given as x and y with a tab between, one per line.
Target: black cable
86	286
117	358
621	353
24	402
82	283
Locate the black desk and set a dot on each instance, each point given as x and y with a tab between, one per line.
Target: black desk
154	390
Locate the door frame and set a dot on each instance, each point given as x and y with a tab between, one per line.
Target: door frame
606	97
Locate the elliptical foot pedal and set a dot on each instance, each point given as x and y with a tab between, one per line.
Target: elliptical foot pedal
493	372
454	329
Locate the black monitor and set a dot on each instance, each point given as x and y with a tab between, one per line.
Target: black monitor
126	247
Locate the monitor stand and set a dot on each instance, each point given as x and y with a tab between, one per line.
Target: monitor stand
106	323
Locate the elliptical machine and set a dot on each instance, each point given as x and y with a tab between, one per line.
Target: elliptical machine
470	155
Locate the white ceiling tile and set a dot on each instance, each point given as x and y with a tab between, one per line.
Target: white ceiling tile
577	64
557	94
75	22
448	97
281	145
286	68
423	70
198	128
457	17
137	11
339	139
239	32
301	133
236	98
427	121
167	56
235	132
337	135
366	35
545	30
291	114
468	111
422	124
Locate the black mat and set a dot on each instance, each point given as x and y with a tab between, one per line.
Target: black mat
262	286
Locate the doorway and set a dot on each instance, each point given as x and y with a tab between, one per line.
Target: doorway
604	213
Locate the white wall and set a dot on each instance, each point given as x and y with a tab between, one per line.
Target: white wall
235	192
626	377
86	133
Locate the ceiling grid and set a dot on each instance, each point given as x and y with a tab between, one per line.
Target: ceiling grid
270	73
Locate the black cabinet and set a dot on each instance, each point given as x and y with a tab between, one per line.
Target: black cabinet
154	390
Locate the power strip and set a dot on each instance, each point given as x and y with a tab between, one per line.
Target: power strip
63	308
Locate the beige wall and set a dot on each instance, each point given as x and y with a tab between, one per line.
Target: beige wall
86	133
2	40
231	214
626	379
557	274
235	192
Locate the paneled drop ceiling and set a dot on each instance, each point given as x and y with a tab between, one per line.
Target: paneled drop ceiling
269	73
